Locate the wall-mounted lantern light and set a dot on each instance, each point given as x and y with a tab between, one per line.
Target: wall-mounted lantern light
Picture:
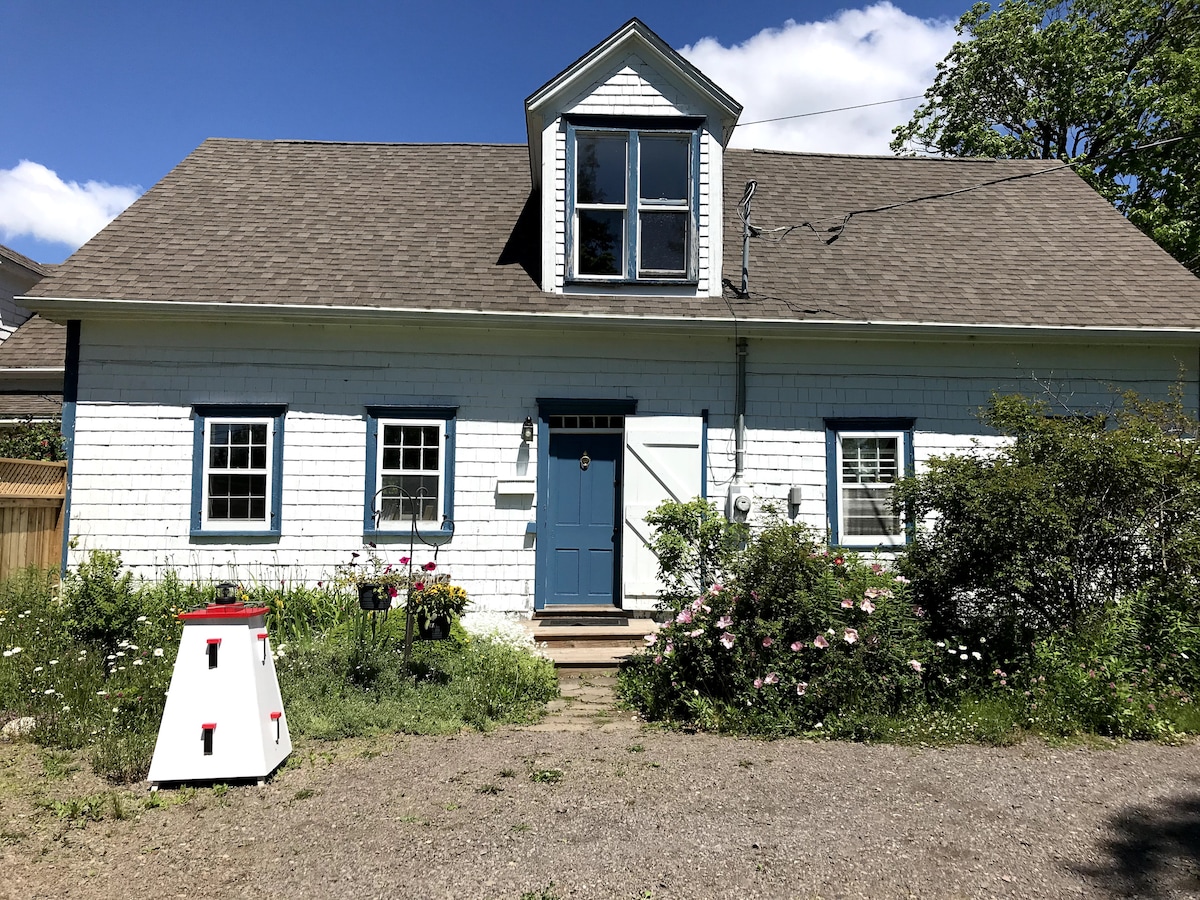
527	429
227	592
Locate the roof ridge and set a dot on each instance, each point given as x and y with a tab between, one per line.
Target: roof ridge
333	143
824	154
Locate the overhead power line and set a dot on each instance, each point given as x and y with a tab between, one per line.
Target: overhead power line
821	112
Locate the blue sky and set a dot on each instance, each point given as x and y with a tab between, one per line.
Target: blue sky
103	99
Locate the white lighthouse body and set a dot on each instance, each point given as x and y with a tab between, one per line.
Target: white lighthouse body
224	716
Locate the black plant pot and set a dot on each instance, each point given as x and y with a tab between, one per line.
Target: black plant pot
436	629
373	597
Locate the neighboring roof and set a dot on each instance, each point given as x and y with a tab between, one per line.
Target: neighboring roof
454	227
34	406
37	344
10	256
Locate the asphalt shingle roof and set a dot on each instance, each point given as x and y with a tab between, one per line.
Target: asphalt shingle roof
454	227
37	344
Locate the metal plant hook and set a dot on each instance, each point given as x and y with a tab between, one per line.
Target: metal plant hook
414	537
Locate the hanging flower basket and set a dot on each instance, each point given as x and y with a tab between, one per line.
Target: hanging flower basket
374	597
436	629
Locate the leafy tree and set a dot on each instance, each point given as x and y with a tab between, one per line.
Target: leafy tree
1086	82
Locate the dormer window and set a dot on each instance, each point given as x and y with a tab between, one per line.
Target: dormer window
633	209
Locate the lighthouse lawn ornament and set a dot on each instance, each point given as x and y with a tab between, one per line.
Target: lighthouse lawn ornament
224	715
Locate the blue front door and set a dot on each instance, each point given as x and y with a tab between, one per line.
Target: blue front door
581	552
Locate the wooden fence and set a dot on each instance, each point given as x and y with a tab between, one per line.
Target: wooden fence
32	495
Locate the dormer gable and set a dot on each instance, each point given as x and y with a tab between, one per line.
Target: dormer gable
626	146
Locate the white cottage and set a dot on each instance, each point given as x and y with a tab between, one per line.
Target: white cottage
286	349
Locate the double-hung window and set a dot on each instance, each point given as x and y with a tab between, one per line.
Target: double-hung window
237	470
633	213
410	470
866	457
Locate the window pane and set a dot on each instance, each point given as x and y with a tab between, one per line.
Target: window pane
241	497
239	457
869	511
663	168
420	496
602	173
664	242
869	460
601	242
218	457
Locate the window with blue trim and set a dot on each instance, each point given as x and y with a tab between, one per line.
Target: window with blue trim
866	457
633	211
237	470
410	469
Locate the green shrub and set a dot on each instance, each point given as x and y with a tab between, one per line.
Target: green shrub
33	440
798	634
102	603
1071	516
695	547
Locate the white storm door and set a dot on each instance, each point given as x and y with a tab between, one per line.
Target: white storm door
664	460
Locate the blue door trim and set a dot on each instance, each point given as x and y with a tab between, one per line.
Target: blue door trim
561	406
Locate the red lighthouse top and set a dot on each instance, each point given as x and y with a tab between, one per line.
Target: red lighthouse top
224	611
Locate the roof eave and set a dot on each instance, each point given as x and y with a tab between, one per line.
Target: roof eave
64	309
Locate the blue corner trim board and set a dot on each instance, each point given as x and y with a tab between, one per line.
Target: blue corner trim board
704	454
67	426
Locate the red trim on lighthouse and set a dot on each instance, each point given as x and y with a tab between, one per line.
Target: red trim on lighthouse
209	726
262	635
275	715
214	640
224	611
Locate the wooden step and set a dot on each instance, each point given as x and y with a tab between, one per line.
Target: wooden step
598	657
581	640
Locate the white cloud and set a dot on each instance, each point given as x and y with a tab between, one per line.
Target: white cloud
34	201
858	56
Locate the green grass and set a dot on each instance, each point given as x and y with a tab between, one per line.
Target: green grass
339	677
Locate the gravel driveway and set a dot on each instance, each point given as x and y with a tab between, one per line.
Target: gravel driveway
613	810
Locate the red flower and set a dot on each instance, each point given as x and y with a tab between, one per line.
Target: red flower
404	560
429	566
419	586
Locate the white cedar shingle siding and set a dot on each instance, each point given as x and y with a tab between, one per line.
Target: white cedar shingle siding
133	445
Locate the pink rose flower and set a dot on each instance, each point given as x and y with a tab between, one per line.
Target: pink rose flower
850	636
768	641
797	645
916	666
801	687
727	640
867	606
820	643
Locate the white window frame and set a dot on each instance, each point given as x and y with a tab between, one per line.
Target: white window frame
382	418
208	416
900	536
406	525
634	205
